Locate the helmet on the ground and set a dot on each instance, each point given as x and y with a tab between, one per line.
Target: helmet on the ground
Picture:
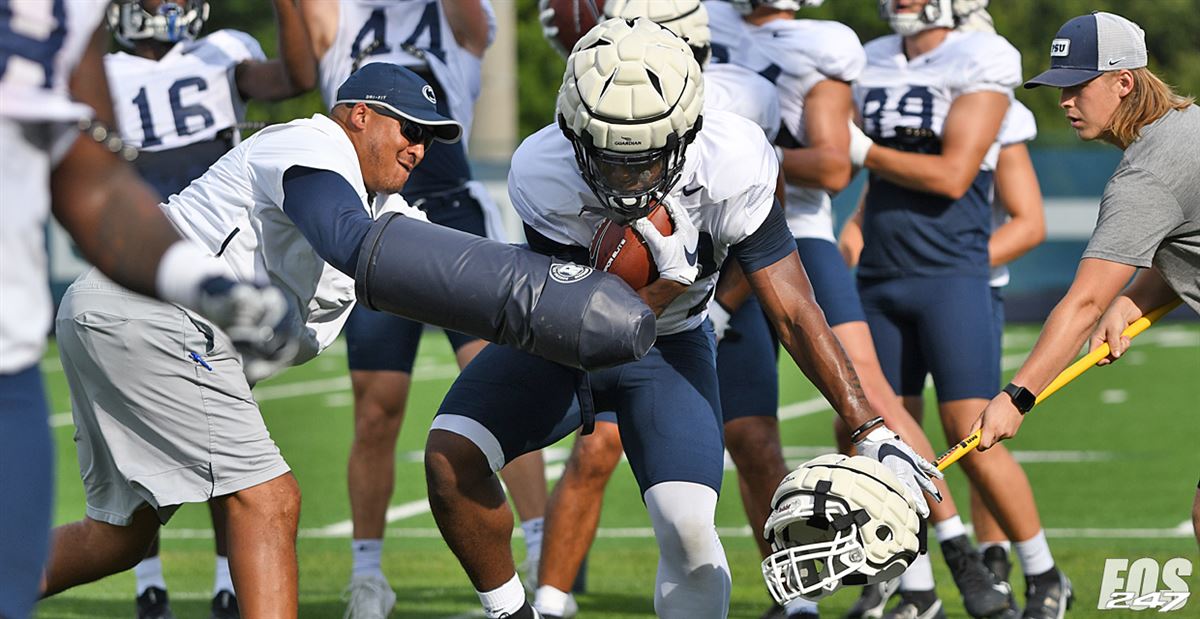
836	521
630	104
686	18
935	14
130	22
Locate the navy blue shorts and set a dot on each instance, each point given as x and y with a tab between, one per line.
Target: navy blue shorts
831	280
510	403
942	326
998	319
378	341
748	365
26	489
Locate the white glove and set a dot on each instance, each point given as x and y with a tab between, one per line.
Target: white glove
258	319
719	317
860	144
674	255
549	30
885	446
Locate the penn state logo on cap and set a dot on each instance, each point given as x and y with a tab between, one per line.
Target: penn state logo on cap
395	91
1089	45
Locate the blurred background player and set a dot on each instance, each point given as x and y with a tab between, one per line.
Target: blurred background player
748	379
633	129
60	154
176	422
443	41
1149	220
811	63
933	100
179	100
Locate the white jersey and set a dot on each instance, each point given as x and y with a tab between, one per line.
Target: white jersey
727	188
736	89
1019	126
414	34
235	210
808	51
188	96
896	93
37	117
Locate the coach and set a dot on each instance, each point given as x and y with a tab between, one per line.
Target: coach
1149	215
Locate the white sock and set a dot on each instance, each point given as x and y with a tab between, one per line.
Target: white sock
533	537
503	601
550	601
368	557
800	605
949	528
918	576
222	581
149	574
1034	554
1006	545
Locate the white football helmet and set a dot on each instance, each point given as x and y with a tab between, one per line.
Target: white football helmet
836	521
630	104
935	14
746	7
686	18
972	16
171	23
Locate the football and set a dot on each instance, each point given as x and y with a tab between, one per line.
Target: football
574	18
621	251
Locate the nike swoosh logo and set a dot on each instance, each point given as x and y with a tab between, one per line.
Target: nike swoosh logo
891	451
1112	62
691	256
687	191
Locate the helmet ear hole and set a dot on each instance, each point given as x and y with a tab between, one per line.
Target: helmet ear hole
883	532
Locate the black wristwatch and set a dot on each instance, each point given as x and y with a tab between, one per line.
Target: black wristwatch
1022	398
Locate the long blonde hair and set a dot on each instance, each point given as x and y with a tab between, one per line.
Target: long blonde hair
1150	100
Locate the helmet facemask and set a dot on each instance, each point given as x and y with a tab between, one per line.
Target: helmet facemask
815	547
935	14
171	23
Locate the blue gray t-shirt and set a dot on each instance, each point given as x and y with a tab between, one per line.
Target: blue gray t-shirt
1150	211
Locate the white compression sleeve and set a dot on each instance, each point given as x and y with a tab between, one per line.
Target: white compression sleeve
693	575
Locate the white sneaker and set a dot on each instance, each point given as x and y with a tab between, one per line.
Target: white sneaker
368	597
570	609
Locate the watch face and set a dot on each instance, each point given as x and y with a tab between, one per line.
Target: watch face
1022	398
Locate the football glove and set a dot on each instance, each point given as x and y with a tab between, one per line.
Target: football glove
674	255
549	30
258	319
860	145
917	473
720	319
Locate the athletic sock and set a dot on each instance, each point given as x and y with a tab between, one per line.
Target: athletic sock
503	601
1006	545
368	557
800	605
949	528
533	537
221	580
149	574
550	601
1034	554
918	576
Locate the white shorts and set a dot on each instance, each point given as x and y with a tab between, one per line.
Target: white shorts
163	413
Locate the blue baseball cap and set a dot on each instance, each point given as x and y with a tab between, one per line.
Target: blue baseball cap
402	94
1089	45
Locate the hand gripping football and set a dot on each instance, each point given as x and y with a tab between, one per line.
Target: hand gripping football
621	251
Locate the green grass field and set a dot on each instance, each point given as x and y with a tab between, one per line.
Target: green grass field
1113	459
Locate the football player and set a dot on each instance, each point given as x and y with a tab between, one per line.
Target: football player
628	139
751	433
444	42
179	100
60	154
933	100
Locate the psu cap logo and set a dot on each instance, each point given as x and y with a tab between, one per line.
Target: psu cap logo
1060	47
427	90
567	272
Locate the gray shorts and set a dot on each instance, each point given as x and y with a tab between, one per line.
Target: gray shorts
163	413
